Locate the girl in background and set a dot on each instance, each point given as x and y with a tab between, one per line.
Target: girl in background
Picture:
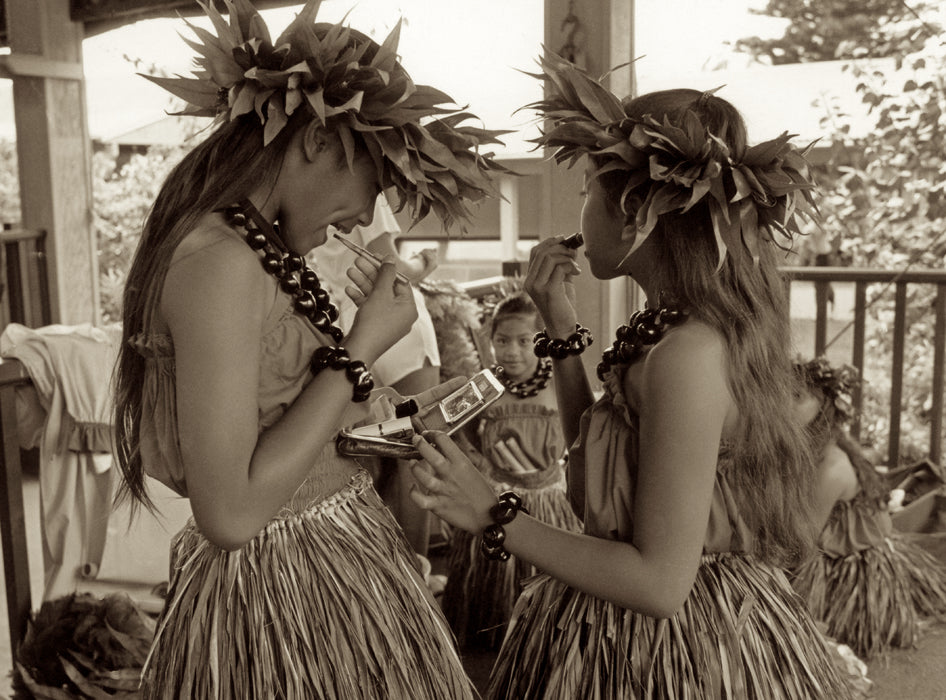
517	443
870	585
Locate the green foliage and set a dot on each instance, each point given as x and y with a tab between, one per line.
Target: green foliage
884	207
882	195
122	199
9	184
827	30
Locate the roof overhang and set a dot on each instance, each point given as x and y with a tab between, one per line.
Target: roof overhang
99	16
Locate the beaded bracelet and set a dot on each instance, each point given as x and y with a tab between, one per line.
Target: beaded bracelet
356	371
502	513
560	348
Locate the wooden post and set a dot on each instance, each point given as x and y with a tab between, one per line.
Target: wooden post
16	567
625	296
53	149
601	32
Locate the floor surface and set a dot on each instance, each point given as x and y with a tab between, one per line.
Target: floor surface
913	674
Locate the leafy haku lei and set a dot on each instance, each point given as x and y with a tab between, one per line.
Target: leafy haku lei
836	383
672	167
328	69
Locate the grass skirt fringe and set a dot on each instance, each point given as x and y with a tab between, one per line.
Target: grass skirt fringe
742	633
480	593
327	603
874	600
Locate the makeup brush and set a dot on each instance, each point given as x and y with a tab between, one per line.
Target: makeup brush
367	254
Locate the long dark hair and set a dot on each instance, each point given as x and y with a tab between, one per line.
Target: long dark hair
746	301
221	170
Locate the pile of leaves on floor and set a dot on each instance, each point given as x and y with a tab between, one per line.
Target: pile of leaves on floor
84	646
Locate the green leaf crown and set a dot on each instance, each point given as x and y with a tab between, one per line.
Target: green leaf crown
349	84
671	167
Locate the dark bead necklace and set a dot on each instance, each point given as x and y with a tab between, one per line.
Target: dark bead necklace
531	386
645	327
308	298
295	277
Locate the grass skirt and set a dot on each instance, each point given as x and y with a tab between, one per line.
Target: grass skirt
874	599
326	603
480	593
742	633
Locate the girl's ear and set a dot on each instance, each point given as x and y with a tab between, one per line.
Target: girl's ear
315	139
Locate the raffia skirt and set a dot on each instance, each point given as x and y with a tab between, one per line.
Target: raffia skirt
875	599
480	593
743	633
325	603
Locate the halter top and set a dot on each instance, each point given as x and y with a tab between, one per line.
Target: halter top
287	344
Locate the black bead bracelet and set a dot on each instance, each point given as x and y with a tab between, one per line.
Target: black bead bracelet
356	371
503	512
560	348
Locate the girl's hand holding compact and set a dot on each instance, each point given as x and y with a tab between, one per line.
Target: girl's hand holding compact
449	485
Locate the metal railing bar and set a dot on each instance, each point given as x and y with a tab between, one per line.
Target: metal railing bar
939	357
861	274
857	351
821	317
896	373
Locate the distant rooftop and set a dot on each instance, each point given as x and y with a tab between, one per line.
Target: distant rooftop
168	131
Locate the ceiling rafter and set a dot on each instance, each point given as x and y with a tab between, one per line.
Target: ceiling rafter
99	16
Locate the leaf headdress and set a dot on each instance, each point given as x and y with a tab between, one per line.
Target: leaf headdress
838	383
673	166
352	85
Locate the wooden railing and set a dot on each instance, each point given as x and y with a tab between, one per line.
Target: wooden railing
861	279
24	280
823	277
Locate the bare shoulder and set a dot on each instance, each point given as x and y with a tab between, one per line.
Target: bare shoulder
212	267
209	240
689	370
692	347
837	474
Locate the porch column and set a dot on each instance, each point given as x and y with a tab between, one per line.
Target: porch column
53	149
600	35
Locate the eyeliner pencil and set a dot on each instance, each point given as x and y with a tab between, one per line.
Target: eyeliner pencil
369	255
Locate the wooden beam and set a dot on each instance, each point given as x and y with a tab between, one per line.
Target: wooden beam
16	568
32	66
95	10
99	16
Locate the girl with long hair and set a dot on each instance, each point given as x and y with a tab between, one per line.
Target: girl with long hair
691	473
292	579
